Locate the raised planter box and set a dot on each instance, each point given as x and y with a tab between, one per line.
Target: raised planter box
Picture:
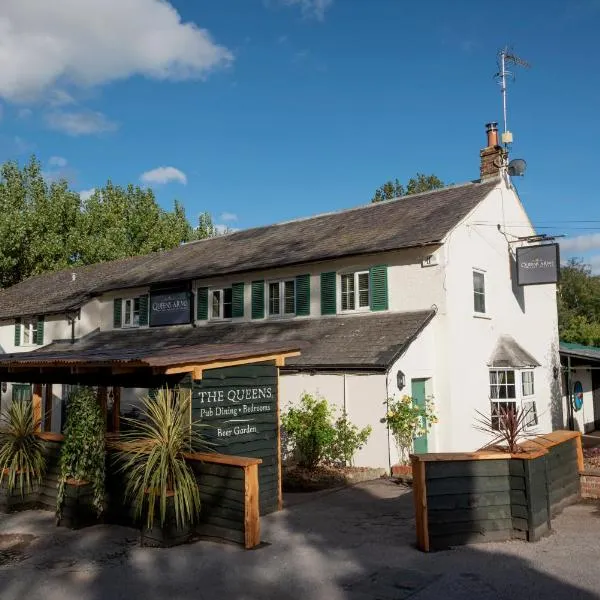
78	510
167	535
463	498
14	501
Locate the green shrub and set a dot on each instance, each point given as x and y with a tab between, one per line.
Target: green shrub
22	459
347	441
309	429
83	453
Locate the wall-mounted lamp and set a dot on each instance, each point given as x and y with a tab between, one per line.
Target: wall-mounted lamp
400	380
555	372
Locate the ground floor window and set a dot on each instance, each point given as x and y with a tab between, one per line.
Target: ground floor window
21	391
512	390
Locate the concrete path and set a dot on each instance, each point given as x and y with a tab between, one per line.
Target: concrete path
352	544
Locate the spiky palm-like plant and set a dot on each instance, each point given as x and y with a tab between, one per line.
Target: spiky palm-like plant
508	428
22	459
152	459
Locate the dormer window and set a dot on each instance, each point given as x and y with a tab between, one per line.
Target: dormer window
282	298
355	291
221	303
131	312
29	331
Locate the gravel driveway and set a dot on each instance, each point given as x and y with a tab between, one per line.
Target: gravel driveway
354	543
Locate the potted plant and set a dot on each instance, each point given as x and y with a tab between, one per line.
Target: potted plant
80	495
406	420
160	484
22	459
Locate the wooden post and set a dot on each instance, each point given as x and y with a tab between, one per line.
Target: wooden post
579	446
251	507
279	472
48	408
37	406
116	408
101	397
420	499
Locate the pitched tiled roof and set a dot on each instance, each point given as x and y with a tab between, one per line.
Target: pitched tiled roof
370	341
416	220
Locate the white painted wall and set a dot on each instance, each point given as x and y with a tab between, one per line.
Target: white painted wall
584	418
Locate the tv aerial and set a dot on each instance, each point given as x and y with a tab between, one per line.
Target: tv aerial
506	59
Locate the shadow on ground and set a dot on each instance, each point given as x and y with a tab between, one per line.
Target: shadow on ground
355	543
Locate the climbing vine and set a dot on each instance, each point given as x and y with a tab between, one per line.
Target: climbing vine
83	453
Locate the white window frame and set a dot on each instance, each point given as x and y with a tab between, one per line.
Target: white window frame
520	400
221	316
131	311
485	311
355	275
281	283
31	326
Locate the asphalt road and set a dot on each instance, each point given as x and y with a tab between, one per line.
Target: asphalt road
352	544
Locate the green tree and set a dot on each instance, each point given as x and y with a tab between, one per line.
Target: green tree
579	304
45	226
417	184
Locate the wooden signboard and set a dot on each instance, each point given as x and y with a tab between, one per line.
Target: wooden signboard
239	408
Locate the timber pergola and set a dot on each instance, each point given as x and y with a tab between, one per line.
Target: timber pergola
84	363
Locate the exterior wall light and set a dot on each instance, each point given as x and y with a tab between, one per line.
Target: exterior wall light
400	380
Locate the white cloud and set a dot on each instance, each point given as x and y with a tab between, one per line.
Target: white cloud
222	228
24	113
228	216
163	175
581	243
57	161
81	122
59	98
310	8
47	46
86	194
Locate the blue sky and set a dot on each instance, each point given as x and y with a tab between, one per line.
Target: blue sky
264	110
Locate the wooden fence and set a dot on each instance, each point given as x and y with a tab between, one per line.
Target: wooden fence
484	496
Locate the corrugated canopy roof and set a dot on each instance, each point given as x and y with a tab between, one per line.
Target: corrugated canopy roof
416	220
591	353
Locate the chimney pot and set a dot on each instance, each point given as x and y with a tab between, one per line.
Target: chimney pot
492	134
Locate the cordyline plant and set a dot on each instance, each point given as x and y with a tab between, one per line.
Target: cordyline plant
507	428
83	452
22	460
407	420
152	459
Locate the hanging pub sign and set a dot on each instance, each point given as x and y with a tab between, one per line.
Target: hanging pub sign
170	308
538	264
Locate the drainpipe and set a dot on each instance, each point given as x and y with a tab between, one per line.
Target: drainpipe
570	417
387	407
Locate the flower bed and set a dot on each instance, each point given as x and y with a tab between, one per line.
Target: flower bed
298	479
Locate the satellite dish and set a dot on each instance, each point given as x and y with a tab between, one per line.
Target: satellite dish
517	167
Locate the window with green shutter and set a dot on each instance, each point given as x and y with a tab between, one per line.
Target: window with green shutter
39	334
379	288
328	293
237	290
117	311
258	299
17	332
202	304
303	295
144	302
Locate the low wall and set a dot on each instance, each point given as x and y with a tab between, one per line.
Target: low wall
590	485
229	494
494	496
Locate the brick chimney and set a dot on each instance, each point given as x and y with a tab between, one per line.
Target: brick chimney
492	156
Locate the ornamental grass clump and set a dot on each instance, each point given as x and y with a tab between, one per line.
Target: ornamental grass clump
407	420
153	459
22	460
83	452
506	426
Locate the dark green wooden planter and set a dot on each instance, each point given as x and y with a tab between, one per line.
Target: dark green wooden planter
167	535
14	501
78	509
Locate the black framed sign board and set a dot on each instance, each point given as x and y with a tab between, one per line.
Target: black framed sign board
170	308
538	264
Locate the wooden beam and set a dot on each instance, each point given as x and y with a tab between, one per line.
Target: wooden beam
124	370
251	507
101	396
116	408
173	370
579	446
279	469
48	408
37	406
420	499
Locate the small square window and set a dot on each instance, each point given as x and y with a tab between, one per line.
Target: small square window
274	299
221	303
355	290
282	298
131	312
29	332
479	292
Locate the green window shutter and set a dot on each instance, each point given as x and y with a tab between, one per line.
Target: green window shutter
237	293
258	299
379	287
17	332
202	304
144	309
303	295
328	296
39	339
117	307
